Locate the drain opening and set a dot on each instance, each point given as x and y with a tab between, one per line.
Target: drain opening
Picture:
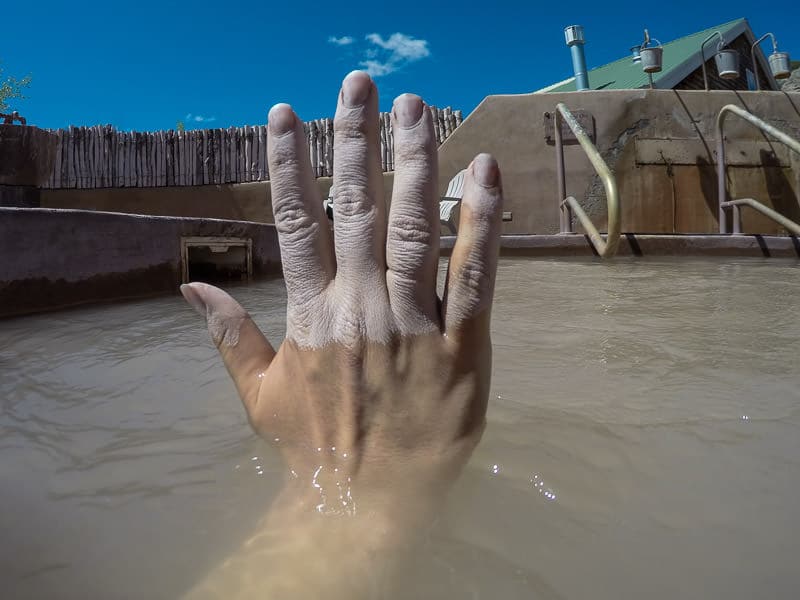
211	259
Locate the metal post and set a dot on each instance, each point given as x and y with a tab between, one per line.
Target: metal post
565	213
579	67
788	224
782	137
722	188
703	56
608	247
575	40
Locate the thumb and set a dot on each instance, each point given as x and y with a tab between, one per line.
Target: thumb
244	349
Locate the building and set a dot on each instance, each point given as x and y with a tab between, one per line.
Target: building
682	65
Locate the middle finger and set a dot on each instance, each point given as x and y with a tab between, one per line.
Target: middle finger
358	205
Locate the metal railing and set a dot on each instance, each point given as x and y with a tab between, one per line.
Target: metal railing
722	183
569	205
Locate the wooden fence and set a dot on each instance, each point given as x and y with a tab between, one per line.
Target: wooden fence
101	156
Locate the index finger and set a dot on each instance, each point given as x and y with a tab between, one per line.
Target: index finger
304	234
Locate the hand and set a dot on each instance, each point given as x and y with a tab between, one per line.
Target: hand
378	394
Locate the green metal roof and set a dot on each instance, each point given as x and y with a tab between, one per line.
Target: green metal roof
681	57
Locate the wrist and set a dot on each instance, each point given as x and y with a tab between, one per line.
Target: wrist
383	515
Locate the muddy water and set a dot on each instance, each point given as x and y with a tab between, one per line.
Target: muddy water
643	442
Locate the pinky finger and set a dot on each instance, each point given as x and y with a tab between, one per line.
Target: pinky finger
473	264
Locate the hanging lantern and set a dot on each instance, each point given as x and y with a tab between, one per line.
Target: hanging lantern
727	63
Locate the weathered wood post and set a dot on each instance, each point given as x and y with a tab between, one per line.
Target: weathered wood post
27	155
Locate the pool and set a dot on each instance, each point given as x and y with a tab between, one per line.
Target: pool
643	442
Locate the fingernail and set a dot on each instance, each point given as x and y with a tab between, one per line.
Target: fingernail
194	299
281	118
485	170
355	89
408	109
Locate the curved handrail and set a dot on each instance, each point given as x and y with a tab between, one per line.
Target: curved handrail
722	183
787	223
605	248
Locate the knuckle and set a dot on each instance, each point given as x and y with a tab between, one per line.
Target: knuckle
353	209
410	228
473	275
352	201
283	165
284	156
350	127
414	149
419	162
295	223
485	204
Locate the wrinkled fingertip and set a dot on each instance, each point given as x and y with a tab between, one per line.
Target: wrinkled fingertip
207	299
408	109
281	119
194	298
485	170
356	88
483	192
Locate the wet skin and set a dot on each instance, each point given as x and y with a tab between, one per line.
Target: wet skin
377	396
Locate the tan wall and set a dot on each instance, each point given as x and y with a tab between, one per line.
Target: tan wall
680	197
56	258
241	201
237	201
655	198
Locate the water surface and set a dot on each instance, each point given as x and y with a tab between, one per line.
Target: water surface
643	442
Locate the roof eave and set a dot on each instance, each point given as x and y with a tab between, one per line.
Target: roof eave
555	86
695	61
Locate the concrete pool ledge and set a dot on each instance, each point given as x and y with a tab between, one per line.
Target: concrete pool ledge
55	258
689	245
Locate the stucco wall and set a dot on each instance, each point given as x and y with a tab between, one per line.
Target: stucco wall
241	202
54	258
678	197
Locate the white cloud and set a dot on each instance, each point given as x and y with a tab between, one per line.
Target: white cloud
200	118
401	46
376	68
388	55
345	40
382	56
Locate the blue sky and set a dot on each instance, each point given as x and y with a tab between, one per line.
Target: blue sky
145	65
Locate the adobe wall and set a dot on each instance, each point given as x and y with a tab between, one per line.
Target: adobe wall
238	201
56	258
675	128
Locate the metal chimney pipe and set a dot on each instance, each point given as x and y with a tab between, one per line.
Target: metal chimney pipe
575	41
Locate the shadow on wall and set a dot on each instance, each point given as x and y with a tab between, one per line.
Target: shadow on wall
792	102
779	189
707	175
